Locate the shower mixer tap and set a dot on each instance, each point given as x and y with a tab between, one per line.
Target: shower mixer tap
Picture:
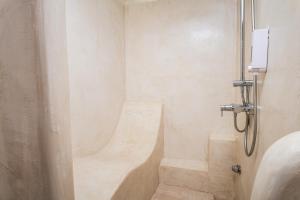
237	108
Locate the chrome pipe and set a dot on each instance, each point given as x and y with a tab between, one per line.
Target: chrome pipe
253	14
242	48
249	109
242	40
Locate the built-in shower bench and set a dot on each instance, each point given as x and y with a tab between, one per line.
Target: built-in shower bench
127	167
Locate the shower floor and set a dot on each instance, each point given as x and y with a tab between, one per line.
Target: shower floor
165	192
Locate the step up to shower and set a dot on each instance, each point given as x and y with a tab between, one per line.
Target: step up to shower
214	176
165	192
192	174
127	167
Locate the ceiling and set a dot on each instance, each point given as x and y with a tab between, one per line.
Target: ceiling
136	1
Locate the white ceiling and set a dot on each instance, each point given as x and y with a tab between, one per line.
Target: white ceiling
136	1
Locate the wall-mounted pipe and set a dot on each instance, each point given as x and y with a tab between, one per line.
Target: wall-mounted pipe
242	40
248	108
253	14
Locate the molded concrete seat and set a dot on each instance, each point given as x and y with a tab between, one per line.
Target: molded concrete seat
127	167
278	176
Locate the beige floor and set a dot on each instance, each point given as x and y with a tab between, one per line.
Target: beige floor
165	192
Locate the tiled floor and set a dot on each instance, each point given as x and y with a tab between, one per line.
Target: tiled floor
165	192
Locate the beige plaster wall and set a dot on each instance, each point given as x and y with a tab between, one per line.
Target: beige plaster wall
54	87
280	88
35	151
97	71
21	167
183	54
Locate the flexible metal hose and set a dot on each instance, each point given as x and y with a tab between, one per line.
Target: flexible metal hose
246	123
250	152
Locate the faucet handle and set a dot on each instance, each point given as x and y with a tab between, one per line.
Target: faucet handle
229	107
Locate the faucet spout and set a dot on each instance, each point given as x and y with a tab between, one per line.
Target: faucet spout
229	107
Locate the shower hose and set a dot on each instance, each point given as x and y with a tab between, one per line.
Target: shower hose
248	115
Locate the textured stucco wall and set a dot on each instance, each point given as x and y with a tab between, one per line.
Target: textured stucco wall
285	184
97	71
35	151
279	91
21	168
54	86
183	54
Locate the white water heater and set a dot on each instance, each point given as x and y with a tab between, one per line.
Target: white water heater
260	48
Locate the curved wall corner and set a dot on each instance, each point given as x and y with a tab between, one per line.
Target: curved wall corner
278	176
54	88
95	43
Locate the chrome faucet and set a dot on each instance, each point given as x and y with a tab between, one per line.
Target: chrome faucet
237	108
